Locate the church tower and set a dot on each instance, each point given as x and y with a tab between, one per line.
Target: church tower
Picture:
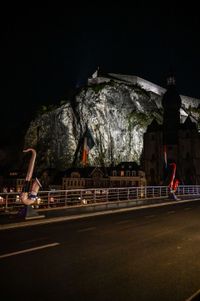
171	103
172	142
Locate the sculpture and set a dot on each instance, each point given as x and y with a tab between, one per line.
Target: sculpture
173	184
29	195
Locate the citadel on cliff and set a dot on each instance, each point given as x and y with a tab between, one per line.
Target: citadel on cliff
120	110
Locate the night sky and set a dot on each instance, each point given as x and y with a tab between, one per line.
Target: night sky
47	52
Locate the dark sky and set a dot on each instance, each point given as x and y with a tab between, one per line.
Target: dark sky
47	51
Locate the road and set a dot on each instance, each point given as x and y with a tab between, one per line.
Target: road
148	254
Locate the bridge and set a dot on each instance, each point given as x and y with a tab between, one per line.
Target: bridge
98	198
147	254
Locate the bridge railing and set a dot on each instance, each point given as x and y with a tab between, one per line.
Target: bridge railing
81	197
188	190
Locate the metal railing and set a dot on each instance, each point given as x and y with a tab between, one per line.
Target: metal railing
81	197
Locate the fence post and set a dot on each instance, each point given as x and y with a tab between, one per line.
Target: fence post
107	191
6	209
65	198
48	199
94	198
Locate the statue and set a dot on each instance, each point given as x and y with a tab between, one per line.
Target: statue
173	184
29	192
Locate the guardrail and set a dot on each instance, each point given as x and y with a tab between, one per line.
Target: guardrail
81	197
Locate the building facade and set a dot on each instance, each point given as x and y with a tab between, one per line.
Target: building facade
172	142
126	174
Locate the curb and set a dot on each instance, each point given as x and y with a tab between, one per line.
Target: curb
49	220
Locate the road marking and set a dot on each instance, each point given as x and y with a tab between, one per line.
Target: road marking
123	222
29	250
170	212
193	296
188	208
149	216
86	229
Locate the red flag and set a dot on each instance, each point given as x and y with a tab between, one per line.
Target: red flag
85	152
88	144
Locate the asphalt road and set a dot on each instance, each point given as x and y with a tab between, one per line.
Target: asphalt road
148	254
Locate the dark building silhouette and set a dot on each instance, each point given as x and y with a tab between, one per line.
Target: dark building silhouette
172	141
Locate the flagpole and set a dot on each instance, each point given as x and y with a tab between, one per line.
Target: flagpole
85	152
165	155
88	143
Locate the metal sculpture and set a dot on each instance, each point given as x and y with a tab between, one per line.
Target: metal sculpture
29	192
173	183
29	197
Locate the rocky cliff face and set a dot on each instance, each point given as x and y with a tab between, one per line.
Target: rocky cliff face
117	114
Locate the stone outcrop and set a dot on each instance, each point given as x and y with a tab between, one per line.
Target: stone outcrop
116	112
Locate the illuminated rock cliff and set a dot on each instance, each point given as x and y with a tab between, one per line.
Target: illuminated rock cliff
117	113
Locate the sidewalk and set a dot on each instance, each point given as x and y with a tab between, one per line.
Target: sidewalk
45	216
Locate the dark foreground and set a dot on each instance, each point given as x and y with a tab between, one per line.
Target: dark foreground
148	254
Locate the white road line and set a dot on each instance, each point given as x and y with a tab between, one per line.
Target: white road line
86	229
193	296
29	250
150	216
188	208
170	212
123	222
